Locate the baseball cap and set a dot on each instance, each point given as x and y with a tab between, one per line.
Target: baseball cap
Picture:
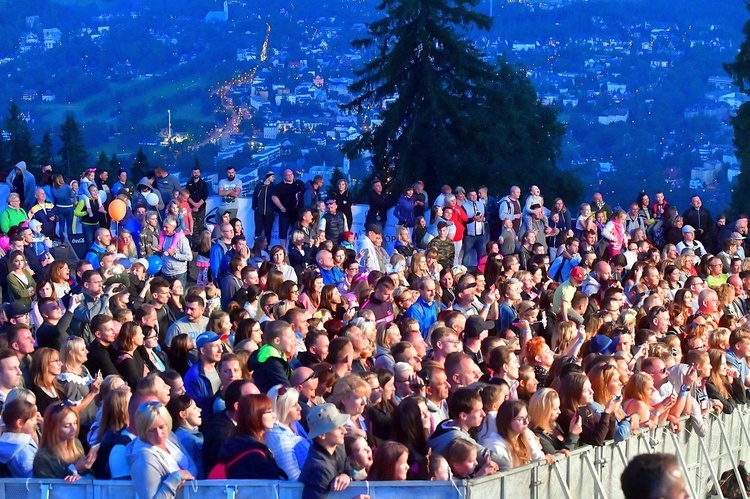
324	418
475	325
205	338
16	309
578	274
737	236
374	228
687	228
270	174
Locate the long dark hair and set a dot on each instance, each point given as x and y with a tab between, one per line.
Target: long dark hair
409	430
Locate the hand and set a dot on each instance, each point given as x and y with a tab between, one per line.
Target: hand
675	425
635	421
85	463
186	475
72	478
733	373
488	468
550	458
75	300
690	376
110	291
96	385
341	482
576	425
612	405
416	383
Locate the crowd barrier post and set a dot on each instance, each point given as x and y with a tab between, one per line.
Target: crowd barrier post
683	463
730	452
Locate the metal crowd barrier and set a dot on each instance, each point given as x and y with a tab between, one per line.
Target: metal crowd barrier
589	472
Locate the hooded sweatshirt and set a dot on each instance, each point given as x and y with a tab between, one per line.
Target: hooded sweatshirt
29	184
17	451
446	432
138	197
269	367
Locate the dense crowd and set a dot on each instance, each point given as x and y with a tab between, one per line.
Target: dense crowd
499	331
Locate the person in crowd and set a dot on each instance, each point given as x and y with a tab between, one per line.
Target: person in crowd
18	443
186	418
159	465
287	439
724	383
60	453
651	476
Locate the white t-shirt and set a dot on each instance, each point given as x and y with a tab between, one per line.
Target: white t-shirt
229	185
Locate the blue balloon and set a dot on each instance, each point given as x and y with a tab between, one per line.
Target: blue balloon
154	264
116	188
125	262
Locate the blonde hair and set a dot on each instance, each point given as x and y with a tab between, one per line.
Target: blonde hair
70	345
348	385
563	335
637	387
719	338
540	408
283	404
147	414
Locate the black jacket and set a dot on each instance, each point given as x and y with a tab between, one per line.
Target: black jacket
268	370
100	359
216	431
53	336
257	463
320	469
736	397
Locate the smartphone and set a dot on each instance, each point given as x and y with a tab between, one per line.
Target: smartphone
581	412
617	397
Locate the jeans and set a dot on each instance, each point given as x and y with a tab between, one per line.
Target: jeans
472	243
264	224
65	222
89	231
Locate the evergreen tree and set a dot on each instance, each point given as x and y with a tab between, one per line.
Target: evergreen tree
140	166
102	163
450	116
114	164
73	152
20	146
335	177
44	152
739	70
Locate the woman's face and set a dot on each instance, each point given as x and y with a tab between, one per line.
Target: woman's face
341	185
687	299
65	272
19	262
403	234
426	418
256	334
336	297
295	413
447	280
554	412
723	366
423	263
389	390
269	419
614	386
465	468
361	454
193	415
177	288
519	424
138	338
68	427
238	228
81	355
376	394
339	257
126	238
394	335
152	340
278	257
587	394
318	285
45	291
225	326
158	433
55	366
354	404
402	467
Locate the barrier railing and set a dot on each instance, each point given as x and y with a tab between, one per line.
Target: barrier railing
591	472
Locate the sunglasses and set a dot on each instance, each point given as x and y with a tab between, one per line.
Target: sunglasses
154	404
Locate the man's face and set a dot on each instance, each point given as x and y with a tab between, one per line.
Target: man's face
161	295
107	333
427	292
658	372
230	371
383	293
25	342
696	202
231	174
476	416
439	387
211	352
94	285
331	206
105	238
377	187
251	278
149	319
661	322
300	323
597	198
689	237
515	193
194	311
10	372
321	346
288	341
288	176
196	173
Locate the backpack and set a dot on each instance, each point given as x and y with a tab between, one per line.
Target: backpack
220	470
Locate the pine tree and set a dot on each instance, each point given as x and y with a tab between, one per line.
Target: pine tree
739	70
20	146
73	152
335	177
114	164
442	123
44	152
140	166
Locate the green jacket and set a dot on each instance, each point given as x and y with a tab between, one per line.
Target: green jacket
11	217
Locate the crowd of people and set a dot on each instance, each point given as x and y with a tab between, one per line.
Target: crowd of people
497	332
